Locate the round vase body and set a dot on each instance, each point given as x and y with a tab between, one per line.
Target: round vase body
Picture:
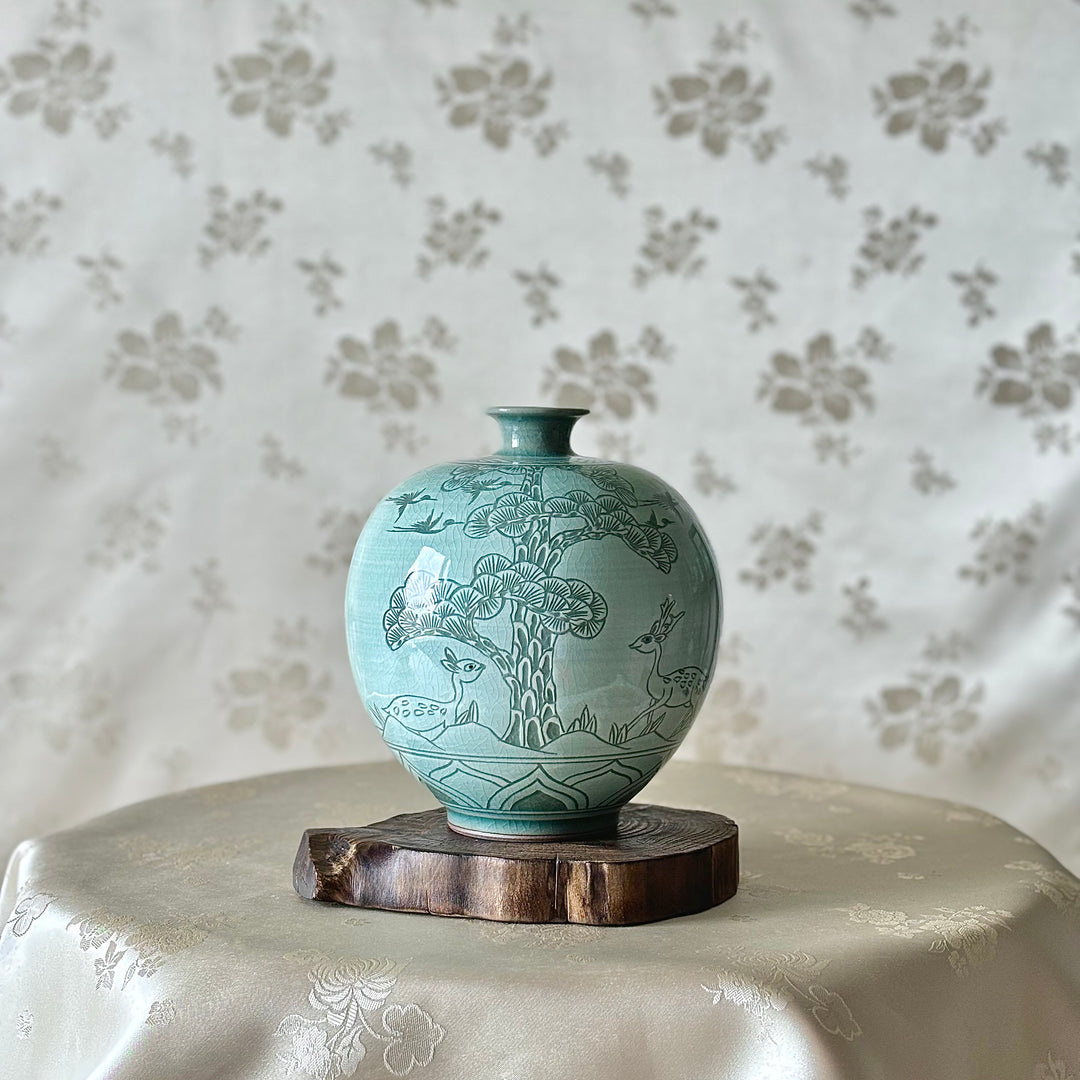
533	632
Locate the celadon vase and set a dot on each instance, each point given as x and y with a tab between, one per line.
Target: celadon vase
533	632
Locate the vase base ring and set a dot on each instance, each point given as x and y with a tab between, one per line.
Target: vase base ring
539	830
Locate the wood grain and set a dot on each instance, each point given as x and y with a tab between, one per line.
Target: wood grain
659	863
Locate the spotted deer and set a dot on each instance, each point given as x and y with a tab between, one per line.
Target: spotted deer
429	716
678	689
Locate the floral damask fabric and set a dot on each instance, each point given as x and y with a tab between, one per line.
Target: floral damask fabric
819	268
883	934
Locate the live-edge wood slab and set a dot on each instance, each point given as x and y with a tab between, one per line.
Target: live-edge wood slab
660	862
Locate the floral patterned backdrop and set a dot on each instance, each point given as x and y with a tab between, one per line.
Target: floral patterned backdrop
818	266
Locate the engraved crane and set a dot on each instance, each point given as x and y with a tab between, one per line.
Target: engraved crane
429	716
678	689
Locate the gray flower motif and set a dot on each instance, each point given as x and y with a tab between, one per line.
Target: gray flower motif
672	247
340	529
600	378
937	100
281	82
925	711
23	222
413	1038
754	295
390	371
538	289
274	698
455	238
785	553
973	292
890	246
237	227
834	170
166	365
723	101
1054	158
497	93
717	105
734	711
818	388
1039	378
825	388
58	82
1005	547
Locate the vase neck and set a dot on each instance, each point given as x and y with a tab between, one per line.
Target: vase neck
536	432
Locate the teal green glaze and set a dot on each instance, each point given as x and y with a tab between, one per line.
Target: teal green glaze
533	432
533	632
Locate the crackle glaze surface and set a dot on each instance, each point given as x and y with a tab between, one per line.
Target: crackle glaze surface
533	632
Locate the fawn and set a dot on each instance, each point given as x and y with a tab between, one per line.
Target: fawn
429	716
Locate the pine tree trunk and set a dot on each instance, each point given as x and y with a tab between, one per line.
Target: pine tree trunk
534	713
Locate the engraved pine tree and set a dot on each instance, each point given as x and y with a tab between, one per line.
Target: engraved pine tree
522	582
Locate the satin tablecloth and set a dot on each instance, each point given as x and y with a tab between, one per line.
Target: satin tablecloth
874	935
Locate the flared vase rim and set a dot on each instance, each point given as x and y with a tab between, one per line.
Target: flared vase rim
536	410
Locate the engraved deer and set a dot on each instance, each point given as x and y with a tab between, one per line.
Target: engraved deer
430	716
678	689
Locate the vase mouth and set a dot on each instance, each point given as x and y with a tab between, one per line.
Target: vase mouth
538	411
535	430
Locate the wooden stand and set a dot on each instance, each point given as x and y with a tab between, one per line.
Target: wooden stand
661	862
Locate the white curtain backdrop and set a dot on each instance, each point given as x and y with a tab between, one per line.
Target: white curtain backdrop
816	264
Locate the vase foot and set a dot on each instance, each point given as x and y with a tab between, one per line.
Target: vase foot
497	827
